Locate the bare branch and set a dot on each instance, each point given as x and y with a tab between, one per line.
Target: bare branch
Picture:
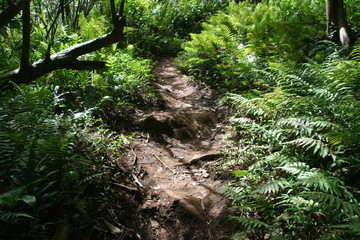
67	59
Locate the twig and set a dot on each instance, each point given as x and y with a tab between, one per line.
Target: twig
126	187
135	156
164	164
137	180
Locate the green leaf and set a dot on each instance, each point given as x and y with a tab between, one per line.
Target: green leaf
29	199
240	173
112	228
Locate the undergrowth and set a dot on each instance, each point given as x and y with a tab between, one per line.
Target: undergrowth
159	28
56	167
60	149
294	152
61	136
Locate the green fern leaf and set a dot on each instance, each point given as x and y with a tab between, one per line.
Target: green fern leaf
295	168
273	187
13	217
330	201
241	120
355	54
322	180
318	146
298	201
354	226
249	223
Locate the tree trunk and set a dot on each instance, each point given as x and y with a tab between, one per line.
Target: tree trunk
66	59
337	28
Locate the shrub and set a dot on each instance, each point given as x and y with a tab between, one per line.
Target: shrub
295	154
244	37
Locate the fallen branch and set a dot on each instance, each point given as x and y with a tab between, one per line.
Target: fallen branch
137	180
166	166
126	187
135	156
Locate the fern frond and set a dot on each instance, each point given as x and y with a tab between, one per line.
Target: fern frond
306	126
291	122
250	224
279	158
234	193
343	139
92	177
241	120
323	181
353	226
298	201
295	168
235	99
355	54
323	95
260	164
223	36
273	187
323	125
13	217
327	201
317	146
297	126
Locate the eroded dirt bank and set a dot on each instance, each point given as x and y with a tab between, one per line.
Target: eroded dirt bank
172	157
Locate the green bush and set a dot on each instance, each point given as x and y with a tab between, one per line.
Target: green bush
160	27
246	37
295	154
37	154
55	166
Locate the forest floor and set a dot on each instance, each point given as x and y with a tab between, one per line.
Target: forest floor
172	159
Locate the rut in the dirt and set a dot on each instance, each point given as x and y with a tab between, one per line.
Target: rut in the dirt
173	157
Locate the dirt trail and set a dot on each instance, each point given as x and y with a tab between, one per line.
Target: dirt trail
172	159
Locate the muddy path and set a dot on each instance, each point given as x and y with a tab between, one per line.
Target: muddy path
172	158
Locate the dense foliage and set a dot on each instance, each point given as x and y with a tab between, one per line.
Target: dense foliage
159	27
294	152
295	128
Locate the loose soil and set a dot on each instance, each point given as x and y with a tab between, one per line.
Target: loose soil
172	158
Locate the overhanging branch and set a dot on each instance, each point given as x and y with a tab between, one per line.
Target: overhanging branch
67	59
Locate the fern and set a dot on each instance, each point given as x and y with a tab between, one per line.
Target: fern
297	201
347	208
11	217
355	54
317	146
306	127
295	168
241	120
232	192
250	224
321	180
273	187
353	226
